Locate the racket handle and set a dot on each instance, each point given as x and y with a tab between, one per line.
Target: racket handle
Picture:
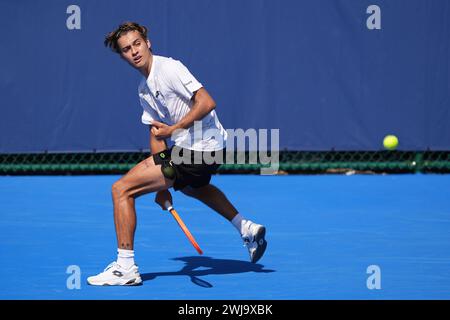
168	205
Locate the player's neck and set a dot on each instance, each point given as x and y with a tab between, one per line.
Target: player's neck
145	70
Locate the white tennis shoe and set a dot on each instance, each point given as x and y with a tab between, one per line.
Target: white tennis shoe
115	275
254	239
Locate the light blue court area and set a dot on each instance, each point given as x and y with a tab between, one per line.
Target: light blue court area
330	237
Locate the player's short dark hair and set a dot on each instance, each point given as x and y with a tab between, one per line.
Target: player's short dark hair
112	37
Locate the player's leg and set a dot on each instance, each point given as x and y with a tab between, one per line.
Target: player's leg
214	198
253	234
144	178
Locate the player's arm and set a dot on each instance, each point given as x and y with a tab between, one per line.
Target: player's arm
203	104
156	145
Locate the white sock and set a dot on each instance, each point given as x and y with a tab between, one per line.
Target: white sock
125	258
239	222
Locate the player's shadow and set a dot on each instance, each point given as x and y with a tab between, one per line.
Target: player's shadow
196	267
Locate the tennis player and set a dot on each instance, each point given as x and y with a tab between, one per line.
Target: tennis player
173	102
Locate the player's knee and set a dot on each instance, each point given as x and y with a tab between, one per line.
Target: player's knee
119	189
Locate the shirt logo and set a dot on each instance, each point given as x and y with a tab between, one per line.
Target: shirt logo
157	94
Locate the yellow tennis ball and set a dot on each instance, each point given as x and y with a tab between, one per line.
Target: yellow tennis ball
390	142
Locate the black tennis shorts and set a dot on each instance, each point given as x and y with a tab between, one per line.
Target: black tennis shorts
188	172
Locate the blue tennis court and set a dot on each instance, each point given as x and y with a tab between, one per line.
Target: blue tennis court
324	231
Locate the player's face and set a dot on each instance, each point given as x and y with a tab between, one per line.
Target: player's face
134	49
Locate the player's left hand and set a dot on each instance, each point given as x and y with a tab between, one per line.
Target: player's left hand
161	130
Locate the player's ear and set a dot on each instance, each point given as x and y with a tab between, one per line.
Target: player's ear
149	45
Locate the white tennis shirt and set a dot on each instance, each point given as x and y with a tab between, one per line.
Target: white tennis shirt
166	96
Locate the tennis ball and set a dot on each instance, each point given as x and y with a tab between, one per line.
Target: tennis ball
390	142
168	172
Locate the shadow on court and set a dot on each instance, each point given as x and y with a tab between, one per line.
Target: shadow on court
208	266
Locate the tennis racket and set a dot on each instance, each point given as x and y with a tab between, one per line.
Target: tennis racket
164	199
